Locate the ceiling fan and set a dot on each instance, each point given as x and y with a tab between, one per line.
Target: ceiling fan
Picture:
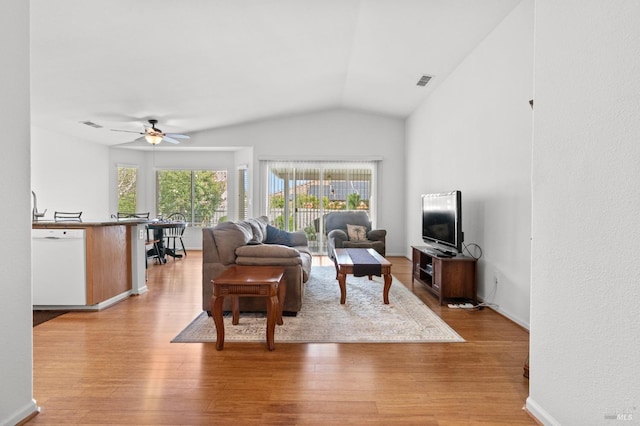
154	136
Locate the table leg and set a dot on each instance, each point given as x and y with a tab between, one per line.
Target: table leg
216	310
342	280
272	312
387	286
235	309
158	234
282	290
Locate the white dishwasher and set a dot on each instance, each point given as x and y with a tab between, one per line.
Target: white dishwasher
58	267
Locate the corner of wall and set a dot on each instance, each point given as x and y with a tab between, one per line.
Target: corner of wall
539	414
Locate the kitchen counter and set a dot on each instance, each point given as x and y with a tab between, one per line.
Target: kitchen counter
62	224
108	260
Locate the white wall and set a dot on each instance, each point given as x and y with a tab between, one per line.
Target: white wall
474	134
16	355
68	174
335	134
585	315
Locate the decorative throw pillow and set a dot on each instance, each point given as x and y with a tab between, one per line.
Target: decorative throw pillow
357	232
278	236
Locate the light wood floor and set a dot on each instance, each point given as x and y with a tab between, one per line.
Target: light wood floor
118	367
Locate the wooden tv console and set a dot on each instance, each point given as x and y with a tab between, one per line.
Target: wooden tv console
445	277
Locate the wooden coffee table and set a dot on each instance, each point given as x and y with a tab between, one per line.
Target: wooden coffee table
345	265
255	281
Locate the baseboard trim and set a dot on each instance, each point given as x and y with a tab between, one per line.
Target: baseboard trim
509	317
141	290
97	307
531	416
24	415
538	414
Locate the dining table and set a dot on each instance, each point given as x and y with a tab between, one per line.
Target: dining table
158	227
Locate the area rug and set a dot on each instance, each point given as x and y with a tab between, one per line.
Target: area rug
364	318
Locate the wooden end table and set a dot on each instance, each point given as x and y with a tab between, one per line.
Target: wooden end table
255	281
344	266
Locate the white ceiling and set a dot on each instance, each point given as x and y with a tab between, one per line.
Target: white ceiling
203	64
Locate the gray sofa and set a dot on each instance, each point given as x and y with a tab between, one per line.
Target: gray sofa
255	242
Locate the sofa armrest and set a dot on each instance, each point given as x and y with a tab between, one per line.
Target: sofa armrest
377	235
299	238
338	236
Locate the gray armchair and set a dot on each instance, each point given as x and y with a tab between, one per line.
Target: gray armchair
338	232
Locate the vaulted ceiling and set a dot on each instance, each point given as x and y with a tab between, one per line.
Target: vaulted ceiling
203	64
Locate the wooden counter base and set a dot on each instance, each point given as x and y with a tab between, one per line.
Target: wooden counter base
108	260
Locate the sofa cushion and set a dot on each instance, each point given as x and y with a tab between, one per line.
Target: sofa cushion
376	245
299	238
268	261
259	228
278	236
267	250
228	236
357	232
377	234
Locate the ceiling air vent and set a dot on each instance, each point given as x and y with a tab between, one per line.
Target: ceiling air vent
424	80
91	124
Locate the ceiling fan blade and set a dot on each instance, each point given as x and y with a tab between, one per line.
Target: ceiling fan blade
177	136
170	139
126	131
135	142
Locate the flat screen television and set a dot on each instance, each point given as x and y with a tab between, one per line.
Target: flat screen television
442	221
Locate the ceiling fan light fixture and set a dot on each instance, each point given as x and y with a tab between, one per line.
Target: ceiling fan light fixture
154	136
153	139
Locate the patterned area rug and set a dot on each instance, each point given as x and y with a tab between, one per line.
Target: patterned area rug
363	318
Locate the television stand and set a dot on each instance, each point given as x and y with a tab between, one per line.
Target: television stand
444	277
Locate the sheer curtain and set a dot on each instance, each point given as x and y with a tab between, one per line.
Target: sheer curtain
297	194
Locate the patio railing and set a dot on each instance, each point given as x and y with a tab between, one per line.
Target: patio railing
308	220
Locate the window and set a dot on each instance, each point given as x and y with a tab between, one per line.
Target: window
127	189
300	193
200	195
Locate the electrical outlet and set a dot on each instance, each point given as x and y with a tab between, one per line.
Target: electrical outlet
141	234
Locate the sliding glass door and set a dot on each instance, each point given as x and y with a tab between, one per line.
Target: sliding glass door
301	193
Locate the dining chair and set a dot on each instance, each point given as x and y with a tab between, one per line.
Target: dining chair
176	232
68	216
126	215
152	248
